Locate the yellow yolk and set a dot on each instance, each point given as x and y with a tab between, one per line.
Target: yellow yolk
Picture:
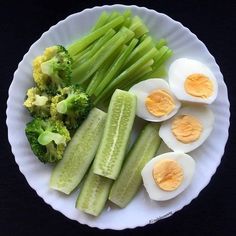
160	103
198	85
186	128
168	174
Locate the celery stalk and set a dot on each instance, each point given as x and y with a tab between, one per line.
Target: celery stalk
115	68
139	51
101	21
125	75
84	71
81	44
101	72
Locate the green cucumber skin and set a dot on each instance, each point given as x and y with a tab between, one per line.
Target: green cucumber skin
79	153
120	118
93	194
129	181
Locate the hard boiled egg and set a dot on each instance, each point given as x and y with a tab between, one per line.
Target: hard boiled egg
192	81
167	175
188	129
155	101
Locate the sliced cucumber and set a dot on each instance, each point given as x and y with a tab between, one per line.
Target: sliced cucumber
120	118
127	184
93	194
79	153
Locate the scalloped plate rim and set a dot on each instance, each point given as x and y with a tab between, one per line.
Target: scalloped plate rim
149	221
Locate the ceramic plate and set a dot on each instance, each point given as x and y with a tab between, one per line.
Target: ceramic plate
141	211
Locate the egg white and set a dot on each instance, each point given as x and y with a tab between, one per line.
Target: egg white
202	113
143	89
180	69
154	191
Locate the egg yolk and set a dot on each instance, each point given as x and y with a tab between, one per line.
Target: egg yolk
186	128
160	103
168	174
198	85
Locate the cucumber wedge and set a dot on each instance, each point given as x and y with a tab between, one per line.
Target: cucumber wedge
120	118
79	153
144	149
93	194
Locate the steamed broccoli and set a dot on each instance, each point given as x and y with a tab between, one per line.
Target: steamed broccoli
47	138
38	103
71	105
52	70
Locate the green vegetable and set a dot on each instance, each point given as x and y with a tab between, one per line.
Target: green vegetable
38	103
47	138
120	118
93	194
71	105
125	75
115	67
79	153
84	71
52	70
126	186
81	44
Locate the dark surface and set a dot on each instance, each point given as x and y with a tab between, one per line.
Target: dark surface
22	212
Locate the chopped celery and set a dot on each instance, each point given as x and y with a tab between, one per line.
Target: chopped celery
99	75
83	72
81	44
125	75
118	63
139	51
161	43
101	21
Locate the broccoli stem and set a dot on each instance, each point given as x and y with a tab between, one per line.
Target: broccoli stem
47	137
125	75
81	44
84	71
115	68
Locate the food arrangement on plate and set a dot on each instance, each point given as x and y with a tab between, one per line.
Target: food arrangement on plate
83	109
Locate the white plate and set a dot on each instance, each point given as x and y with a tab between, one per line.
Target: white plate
141	210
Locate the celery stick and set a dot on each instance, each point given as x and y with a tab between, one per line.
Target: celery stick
139	51
84	71
126	74
164	58
81	44
161	43
101	21
129	181
106	37
142	72
138	27
78	58
145	69
116	66
101	72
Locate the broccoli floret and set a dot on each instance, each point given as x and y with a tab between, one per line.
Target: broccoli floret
71	105
53	69
38	103
47	138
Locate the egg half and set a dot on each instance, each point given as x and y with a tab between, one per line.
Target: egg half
188	129
192	81
167	175
155	101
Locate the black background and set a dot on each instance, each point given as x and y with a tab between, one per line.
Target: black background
22	212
